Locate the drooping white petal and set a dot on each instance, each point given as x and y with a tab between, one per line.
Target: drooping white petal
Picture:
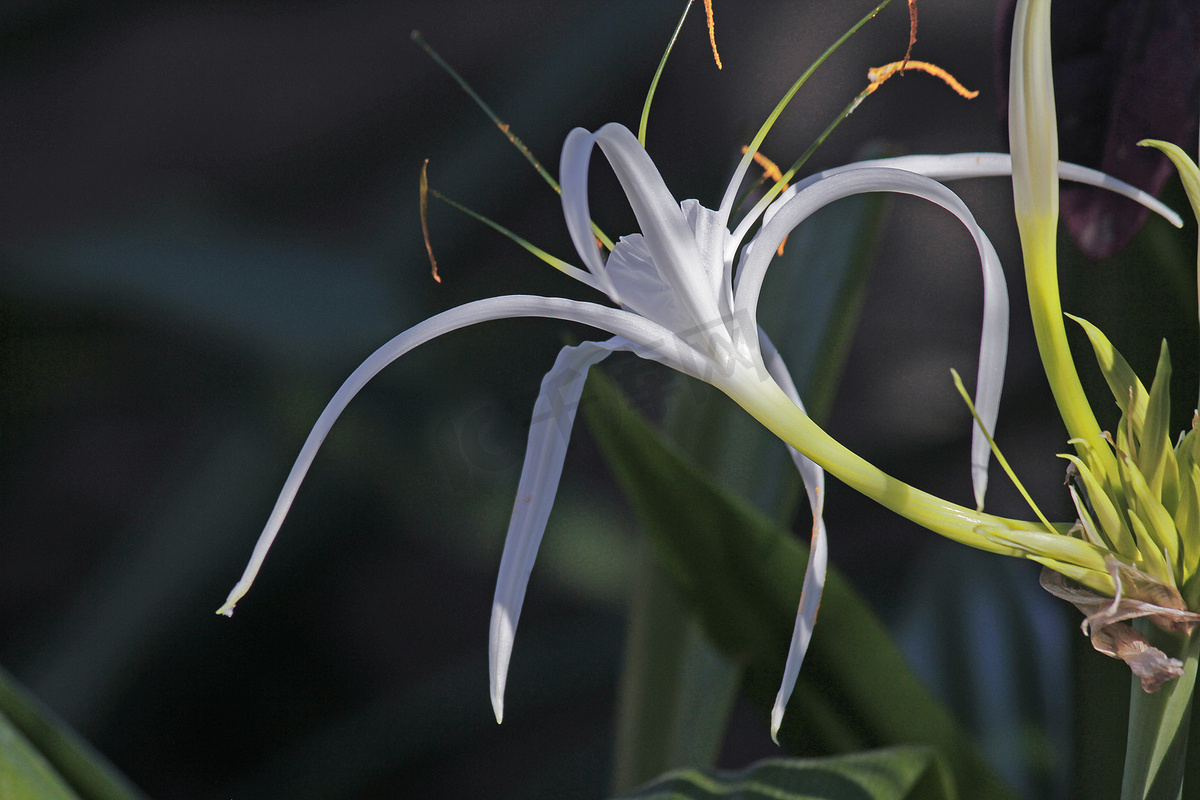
553	418
993	349
818	554
958	166
652	341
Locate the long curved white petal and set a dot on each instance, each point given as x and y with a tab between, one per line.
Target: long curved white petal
958	166
818	555
653	339
993	348
553	419
573	181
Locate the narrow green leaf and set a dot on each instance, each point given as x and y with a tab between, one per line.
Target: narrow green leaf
1119	375
742	576
900	773
1152	560
1156	459
26	723
1112	523
1187	522
655	686
1146	506
1188	172
1055	548
24	773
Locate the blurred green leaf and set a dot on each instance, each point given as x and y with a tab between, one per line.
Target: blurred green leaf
899	773
742	575
43	759
24	774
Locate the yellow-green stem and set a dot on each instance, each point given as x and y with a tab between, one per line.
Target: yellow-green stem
766	402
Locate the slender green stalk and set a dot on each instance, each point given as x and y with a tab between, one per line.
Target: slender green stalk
503	126
662	63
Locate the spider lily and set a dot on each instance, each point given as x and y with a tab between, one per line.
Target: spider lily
679	302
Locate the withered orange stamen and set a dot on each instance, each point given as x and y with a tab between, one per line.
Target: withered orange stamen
770	170
425	218
878	75
912	31
712	31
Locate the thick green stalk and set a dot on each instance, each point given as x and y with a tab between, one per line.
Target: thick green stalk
1156	749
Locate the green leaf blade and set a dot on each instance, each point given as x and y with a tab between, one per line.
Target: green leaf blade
900	773
742	576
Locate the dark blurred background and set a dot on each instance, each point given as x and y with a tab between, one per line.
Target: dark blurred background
209	216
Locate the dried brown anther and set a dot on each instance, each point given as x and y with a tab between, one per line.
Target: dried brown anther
1138	596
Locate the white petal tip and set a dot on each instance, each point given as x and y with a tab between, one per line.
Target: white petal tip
498	708
979	485
776	724
235	595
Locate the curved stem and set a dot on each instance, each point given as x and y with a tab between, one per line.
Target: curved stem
767	403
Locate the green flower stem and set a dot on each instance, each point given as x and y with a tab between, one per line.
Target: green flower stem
767	403
1156	749
770	406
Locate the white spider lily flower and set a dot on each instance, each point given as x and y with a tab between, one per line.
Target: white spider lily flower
680	304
